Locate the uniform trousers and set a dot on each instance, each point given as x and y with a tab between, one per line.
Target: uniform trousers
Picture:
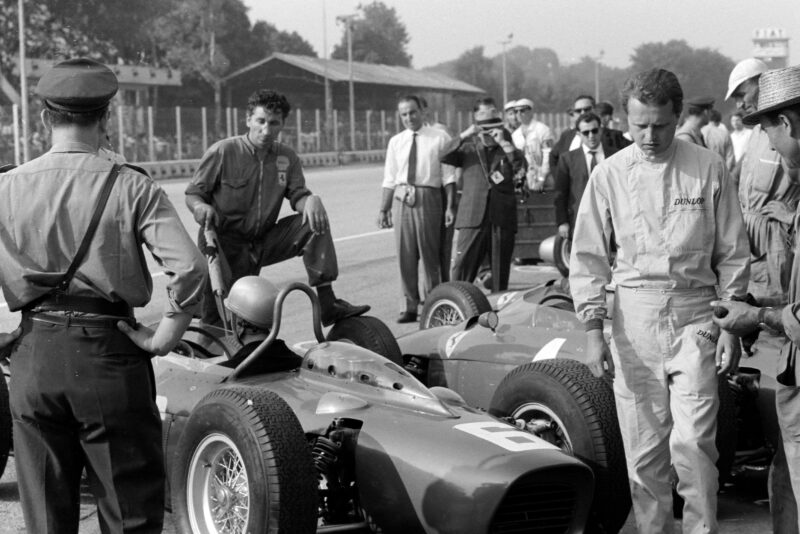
418	236
784	483
85	397
663	347
288	238
474	248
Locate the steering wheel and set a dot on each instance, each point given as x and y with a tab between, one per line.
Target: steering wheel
196	347
559	299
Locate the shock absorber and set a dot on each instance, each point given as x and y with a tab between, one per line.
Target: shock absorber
325	453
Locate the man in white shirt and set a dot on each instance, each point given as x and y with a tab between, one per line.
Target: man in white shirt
740	136
414	176
535	140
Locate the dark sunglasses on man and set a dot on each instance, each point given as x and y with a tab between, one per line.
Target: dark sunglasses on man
578	111
587	133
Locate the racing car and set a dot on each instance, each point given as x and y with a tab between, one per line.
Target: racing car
522	357
345	439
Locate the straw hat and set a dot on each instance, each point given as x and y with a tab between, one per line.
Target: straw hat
777	89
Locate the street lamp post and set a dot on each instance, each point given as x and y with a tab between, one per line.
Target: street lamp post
597	76
505	78
347	20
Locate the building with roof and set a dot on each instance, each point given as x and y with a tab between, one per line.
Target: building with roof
302	79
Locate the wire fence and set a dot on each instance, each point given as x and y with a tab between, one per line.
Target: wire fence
143	134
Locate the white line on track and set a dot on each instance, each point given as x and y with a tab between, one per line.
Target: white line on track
341	239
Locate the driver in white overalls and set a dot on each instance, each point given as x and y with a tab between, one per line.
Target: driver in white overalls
679	233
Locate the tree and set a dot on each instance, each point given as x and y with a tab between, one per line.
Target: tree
701	71
268	39
476	69
378	37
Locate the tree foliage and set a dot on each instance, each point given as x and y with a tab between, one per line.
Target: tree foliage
701	71
378	35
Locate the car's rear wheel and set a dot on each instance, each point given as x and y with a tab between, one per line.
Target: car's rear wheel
370	333
5	424
562	402
452	303
243	465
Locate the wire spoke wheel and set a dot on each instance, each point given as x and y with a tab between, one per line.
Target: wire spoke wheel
542	421
218	491
445	312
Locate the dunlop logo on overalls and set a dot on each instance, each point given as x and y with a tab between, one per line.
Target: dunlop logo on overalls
283	165
685	201
708	335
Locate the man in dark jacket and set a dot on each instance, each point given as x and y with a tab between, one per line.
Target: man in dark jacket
490	164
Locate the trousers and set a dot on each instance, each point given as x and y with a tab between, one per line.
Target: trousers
663	347
785	469
289	238
84	397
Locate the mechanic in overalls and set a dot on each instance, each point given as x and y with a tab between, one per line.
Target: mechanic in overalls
679	232
82	387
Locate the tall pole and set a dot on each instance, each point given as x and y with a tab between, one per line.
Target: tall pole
348	21
328	98
505	78
597	76
23	81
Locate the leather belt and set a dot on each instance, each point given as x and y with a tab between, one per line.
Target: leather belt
72	303
79	320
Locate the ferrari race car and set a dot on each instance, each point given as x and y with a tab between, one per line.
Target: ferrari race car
344	439
523	357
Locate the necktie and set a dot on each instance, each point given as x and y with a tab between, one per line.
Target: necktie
412	161
592	161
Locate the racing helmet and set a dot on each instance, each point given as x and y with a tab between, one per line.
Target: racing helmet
252	298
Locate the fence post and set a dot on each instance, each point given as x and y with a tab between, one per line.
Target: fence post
436	116
151	149
447	118
228	122
204	120
299	130
178	133
121	131
235	122
17	141
335	131
369	130
460	127
383	127
397	122
318	132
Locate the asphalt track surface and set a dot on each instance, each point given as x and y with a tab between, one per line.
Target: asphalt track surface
368	275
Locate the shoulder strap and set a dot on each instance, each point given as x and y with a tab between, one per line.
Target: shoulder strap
102	200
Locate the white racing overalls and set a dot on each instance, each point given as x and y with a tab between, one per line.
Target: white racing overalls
679	233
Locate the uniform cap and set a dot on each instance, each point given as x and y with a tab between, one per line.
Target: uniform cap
777	89
700	101
77	85
488	119
511	104
744	70
524	103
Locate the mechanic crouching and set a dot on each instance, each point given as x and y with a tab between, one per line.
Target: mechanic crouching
679	233
779	116
82	386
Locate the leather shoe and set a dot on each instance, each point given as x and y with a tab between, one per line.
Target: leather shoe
341	309
407	317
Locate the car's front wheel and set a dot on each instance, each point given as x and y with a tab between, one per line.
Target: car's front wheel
243	465
562	402
452	303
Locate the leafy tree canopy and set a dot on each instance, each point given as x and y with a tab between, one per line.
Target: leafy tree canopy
378	35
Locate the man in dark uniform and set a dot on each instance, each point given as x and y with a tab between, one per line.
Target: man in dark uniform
490	163
83	392
239	188
697	116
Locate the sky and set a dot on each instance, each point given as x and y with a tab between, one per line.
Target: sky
441	30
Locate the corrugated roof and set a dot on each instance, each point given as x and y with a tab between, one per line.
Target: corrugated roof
337	71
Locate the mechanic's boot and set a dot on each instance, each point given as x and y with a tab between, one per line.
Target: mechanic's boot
334	309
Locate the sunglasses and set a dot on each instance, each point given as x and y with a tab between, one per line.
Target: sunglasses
582	110
594	131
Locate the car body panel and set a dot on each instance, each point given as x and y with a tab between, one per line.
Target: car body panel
423	464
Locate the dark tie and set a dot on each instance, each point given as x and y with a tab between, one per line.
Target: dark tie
412	161
593	161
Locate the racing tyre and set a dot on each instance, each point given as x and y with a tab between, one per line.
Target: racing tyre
578	413
370	333
561	252
452	303
243	465
5	424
